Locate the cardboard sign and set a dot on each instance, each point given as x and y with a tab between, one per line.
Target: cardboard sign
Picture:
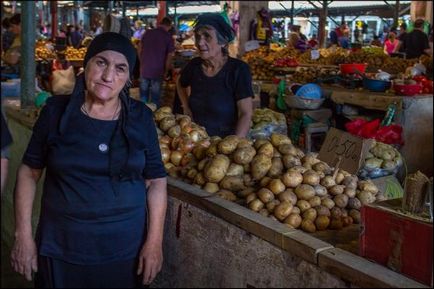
348	149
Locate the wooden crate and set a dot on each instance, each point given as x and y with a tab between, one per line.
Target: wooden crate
396	240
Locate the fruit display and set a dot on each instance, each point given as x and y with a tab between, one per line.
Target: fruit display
269	176
72	53
42	52
381	160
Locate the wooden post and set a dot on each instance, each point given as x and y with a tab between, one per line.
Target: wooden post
53	8
322	37
161	11
27	61
396	14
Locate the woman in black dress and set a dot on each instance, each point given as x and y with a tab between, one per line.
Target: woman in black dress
104	197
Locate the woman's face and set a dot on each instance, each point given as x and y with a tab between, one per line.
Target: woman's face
106	75
207	43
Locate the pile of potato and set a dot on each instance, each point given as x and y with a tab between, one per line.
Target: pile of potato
381	160
269	176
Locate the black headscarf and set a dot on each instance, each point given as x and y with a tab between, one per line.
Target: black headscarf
217	22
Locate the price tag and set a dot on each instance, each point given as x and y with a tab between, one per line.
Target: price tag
314	54
346	148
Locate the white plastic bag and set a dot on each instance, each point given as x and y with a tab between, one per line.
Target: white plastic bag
63	81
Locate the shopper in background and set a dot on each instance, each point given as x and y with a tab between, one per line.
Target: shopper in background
104	197
376	41
391	43
7	35
12	55
401	36
139	29
416	42
156	50
216	89
5	143
296	42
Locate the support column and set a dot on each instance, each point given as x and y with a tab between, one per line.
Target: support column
396	14
322	24
27	61
248	10
161	11
53	8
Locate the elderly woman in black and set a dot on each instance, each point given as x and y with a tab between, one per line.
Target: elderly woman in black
216	89
104	197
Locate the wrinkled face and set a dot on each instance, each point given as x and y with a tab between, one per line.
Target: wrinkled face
207	43
106	75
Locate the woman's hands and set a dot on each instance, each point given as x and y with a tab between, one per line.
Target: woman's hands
150	261
24	257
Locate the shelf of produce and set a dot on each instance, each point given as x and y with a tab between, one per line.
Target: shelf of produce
235	242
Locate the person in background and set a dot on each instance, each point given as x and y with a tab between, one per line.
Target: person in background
313	41
376	41
214	88
333	38
296	42
401	36
416	42
261	28
6	141
139	29
7	35
391	43
104	198
156	50
13	54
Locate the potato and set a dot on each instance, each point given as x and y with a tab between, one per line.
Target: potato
296	210
199	152
320	191
256	205
328	203
310	158
276	186
227	195
287	149
277	154
264	182
276	168
347	220
350	182
228	144
308	226
211	187
290	161
244	155
235	170
211	151
264	212
246	168
260	166
201	165
311	177
322	167
287	195
282	210
303	205
232	183
248	181
304	192
167	122
366	197
292	179
336	190
191	174
322	210
339	178
251	197
244	193
259	142
350	192
293	220
322	222
354	203
314	201
341	200
265	195
336	223
309	214
266	149
216	168
243	142
199	179
278	139
368	186
299	169
328	181
271	205
355	214
336	212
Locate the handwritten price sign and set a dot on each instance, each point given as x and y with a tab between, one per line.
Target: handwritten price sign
346	148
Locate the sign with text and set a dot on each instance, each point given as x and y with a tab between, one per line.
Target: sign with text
341	146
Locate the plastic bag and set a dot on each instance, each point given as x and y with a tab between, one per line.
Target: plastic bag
390	134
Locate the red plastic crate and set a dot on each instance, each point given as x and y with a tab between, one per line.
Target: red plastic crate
398	241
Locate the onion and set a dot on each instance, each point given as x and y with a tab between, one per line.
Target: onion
195	135
176	157
165	155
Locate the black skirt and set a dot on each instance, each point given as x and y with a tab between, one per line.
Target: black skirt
54	273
